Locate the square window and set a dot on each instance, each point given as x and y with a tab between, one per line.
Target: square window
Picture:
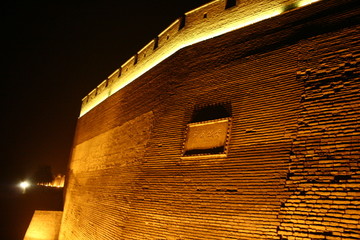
230	4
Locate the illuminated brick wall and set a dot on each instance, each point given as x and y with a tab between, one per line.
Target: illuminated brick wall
291	168
207	21
324	171
44	225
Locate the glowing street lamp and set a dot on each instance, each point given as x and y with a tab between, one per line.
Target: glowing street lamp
23	185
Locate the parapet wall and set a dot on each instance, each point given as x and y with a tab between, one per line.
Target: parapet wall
208	21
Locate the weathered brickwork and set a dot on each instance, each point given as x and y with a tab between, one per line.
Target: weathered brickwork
324	171
291	170
97	168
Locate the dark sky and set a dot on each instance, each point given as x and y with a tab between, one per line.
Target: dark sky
54	53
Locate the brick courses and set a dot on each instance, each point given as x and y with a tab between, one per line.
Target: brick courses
292	169
324	169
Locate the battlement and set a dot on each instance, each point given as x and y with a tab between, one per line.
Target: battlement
210	20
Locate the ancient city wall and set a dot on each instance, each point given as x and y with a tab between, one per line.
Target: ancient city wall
207	21
286	90
324	168
45	225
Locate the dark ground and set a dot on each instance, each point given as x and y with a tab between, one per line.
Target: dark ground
17	208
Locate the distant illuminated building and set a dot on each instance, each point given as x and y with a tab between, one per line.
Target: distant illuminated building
58	182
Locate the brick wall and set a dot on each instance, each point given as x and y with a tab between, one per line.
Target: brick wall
44	225
195	28
293	149
324	170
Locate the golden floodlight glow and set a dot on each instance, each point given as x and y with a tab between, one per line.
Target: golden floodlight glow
181	40
24	185
302	3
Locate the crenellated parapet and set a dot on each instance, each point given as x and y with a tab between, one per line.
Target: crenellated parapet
210	20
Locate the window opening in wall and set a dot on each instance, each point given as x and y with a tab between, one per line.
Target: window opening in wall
167	37
156	43
182	22
211	112
209	130
205	15
230	3
290	6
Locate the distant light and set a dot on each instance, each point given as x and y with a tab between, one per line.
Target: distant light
24	185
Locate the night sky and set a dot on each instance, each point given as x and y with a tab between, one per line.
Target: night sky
54	53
